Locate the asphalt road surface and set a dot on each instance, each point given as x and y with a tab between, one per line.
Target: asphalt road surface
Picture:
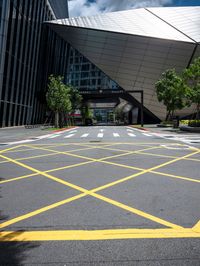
100	196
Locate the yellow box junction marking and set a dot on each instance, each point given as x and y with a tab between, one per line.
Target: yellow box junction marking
177	231
87	192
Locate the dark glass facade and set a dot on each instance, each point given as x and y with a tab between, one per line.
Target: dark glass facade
85	76
29	52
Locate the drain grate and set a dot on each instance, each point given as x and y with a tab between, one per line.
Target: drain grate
95	141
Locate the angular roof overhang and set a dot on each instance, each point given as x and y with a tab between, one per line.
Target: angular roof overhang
134	56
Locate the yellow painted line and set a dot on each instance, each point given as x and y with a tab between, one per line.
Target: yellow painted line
107	199
147	153
176	176
30	149
65	153
135	211
123	154
112	149
39	145
196	228
68	166
105	158
92	193
83	235
31	157
126	153
154	172
19	150
45	174
39	211
17	178
43	155
9	149
97	160
48	171
116	203
168	156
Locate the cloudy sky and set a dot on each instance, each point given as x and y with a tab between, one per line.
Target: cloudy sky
93	7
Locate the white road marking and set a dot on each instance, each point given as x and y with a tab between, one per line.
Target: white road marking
73	131
148	135
183	138
116	135
85	135
130	130
44	136
131	135
54	136
20	141
102	130
100	135
69	136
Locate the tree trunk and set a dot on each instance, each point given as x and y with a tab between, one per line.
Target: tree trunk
56	119
198	112
167	116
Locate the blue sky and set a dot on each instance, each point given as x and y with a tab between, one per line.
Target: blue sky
93	7
186	3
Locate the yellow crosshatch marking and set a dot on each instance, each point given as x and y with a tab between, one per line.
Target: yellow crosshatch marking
171	231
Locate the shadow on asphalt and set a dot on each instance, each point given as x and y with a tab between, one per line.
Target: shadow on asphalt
12	252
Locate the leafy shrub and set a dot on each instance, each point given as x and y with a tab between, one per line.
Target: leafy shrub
194	123
184	122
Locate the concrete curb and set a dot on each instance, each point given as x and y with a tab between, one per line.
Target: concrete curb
190	129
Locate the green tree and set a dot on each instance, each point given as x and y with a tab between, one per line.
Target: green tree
75	99
191	77
86	113
172	91
58	97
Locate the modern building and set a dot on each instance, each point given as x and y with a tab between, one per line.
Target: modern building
29	52
133	48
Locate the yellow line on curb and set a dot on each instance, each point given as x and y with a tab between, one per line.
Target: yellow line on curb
83	235
197	227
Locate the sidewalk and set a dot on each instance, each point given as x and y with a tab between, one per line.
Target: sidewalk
163	130
20	133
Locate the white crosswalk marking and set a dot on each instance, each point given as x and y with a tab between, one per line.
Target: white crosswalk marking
129	130
116	135
85	135
54	136
131	135
102	130
69	136
73	131
100	135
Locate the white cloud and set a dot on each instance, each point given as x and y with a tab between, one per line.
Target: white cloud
86	8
